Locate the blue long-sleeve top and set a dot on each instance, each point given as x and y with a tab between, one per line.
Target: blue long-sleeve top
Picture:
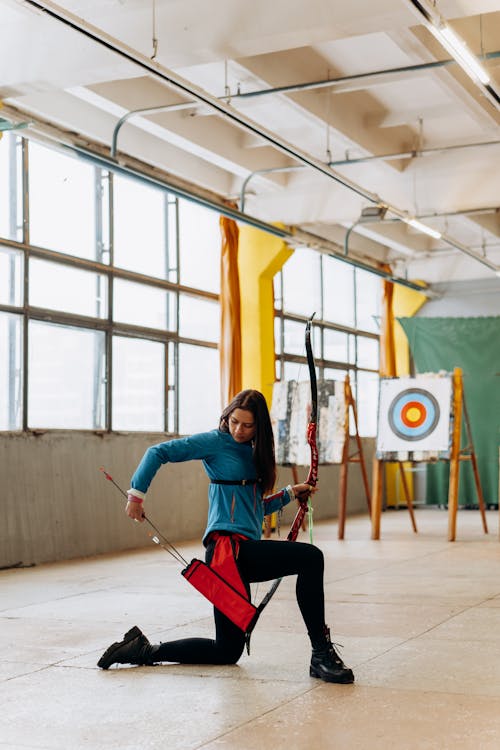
239	509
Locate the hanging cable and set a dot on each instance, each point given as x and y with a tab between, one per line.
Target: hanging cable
155	38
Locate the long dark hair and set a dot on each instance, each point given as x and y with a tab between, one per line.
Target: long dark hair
263	441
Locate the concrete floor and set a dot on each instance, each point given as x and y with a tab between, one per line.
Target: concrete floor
418	617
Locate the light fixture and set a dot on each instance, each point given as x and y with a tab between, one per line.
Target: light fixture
462	54
372	213
457	48
423	228
368	215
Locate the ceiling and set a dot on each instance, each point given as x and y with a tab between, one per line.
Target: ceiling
303	113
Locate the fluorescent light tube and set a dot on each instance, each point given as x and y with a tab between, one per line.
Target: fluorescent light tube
424	228
461	53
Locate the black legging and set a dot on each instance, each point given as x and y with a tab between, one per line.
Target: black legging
263	560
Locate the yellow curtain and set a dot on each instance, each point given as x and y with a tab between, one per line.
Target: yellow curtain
230	335
387	367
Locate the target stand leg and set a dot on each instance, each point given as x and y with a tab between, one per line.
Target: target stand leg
409	502
376	497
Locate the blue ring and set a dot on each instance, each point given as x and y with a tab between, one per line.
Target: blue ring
426	428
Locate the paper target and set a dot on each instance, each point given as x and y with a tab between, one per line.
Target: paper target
290	414
414	414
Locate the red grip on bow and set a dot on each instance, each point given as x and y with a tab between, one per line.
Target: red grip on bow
312	477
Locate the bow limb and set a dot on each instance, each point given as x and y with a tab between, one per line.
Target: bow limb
312	477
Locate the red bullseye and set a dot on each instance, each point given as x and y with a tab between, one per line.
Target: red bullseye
413	414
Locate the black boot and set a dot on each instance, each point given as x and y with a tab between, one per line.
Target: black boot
134	649
327	664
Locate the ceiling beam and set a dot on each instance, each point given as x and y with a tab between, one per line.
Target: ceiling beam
187	88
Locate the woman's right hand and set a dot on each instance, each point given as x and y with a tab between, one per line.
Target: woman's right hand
134	509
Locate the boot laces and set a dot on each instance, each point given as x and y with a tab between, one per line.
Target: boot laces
332	652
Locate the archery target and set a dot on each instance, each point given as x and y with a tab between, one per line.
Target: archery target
414	414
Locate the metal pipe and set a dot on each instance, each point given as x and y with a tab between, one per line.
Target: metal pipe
416	153
185	87
293	237
145	111
346	238
471	253
332	82
6	126
263	171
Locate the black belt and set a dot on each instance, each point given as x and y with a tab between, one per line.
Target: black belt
235	481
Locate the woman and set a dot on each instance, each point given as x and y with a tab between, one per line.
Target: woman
239	460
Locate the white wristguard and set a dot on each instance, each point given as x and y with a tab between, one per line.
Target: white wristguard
136	493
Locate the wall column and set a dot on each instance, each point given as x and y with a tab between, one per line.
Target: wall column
260	257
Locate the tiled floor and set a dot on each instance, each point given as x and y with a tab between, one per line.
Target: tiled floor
418	617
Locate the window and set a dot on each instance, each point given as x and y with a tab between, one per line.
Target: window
11	217
198	318
110	329
338	283
139	227
11	276
141	305
59	287
301	282
338	346
367	352
65	377
293	337
368	298
344	331
11	374
367	402
199	247
138	385
62	202
199	408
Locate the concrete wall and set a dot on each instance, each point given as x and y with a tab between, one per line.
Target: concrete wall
57	505
464	299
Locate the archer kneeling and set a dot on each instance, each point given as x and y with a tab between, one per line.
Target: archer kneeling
239	460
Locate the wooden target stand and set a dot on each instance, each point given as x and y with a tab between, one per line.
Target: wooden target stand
461	454
347	458
457	454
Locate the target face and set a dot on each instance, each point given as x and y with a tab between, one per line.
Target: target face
414	414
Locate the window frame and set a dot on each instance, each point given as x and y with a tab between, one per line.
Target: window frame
103	266
318	328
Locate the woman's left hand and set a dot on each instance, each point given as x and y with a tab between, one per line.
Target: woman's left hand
303	491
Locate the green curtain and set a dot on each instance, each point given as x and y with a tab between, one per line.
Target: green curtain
473	344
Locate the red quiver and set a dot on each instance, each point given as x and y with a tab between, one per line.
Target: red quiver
220	593
221	584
